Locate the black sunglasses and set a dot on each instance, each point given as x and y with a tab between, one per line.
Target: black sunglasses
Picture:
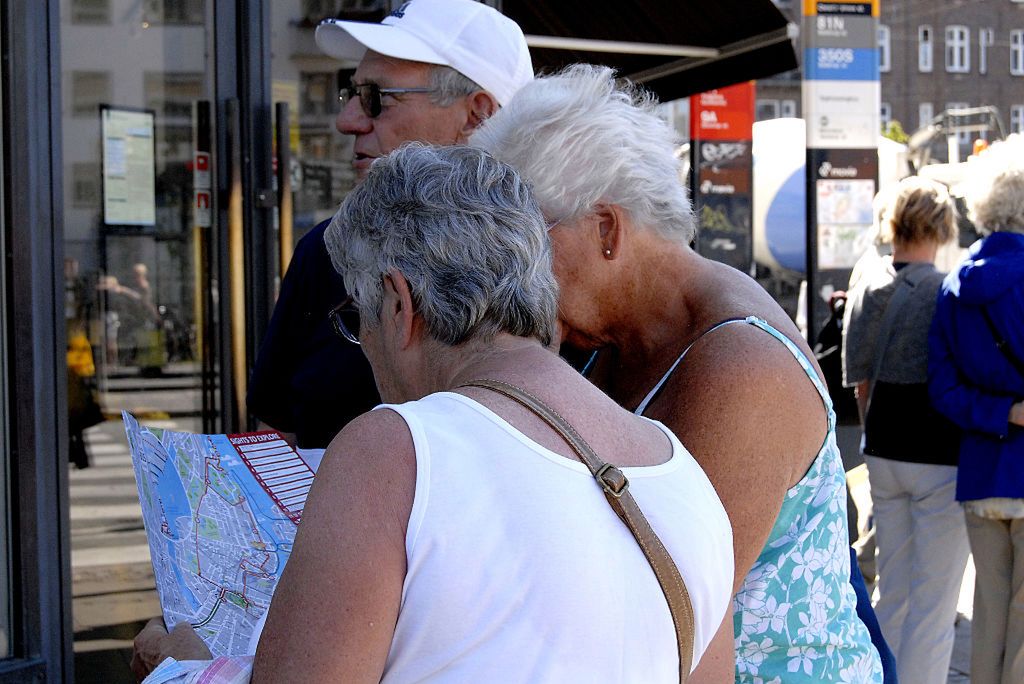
345	320
369	96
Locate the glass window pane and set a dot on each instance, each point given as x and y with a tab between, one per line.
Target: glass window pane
138	287
89	89
884	48
925	113
924	48
90	11
766	109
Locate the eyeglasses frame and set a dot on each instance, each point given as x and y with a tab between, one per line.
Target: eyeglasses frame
338	322
374	107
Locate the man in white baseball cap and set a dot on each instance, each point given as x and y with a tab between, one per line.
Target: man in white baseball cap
432	72
470	37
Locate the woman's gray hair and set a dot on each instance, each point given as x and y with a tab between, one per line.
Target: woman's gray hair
581	138
995	191
449	85
464	230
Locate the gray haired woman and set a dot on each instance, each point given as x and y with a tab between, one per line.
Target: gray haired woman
452	535
702	347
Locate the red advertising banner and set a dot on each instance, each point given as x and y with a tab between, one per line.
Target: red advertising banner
723	114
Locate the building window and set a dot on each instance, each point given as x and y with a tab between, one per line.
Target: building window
89	89
174	141
788	109
925	114
884	48
1017	52
963	138
90	11
958	49
174	12
319	93
319	9
885	113
767	109
85	185
173	92
986	38
1017	119
924	48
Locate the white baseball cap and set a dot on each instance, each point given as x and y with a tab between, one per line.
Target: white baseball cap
476	40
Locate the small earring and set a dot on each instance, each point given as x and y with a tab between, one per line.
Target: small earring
607	252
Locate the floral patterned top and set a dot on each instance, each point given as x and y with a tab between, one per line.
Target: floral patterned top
795	617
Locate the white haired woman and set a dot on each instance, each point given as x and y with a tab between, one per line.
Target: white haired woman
909	448
702	348
976	378
453	535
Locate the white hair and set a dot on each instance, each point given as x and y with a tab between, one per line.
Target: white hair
995	191
464	230
580	139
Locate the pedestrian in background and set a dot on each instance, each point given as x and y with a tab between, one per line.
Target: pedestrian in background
910	449
976	377
879	246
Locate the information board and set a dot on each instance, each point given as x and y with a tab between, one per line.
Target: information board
129	166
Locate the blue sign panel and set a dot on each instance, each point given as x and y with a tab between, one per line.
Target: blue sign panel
841	64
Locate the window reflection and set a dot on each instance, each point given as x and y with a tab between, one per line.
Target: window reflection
135	288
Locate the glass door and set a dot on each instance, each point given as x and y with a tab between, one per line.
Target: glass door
140	269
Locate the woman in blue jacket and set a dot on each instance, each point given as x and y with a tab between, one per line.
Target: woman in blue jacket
976	378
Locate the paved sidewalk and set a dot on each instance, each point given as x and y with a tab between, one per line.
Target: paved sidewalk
113	592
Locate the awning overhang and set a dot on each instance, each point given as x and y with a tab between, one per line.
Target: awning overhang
674	48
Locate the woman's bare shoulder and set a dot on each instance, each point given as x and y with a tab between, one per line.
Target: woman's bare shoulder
381	436
352	540
746	386
375	453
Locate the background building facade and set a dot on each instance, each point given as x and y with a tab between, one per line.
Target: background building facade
932	56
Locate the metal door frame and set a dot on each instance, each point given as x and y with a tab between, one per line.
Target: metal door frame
243	138
37	422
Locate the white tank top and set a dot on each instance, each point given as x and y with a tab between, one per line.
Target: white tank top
519	570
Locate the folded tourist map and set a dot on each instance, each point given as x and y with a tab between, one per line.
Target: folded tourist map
220	513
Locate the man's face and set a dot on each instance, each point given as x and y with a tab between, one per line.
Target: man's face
403	118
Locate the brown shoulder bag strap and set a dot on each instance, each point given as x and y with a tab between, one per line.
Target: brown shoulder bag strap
616	490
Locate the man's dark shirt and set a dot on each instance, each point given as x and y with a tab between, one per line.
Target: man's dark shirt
307	379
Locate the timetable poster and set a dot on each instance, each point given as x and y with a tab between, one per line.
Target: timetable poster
129	168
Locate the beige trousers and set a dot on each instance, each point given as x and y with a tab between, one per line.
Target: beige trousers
997	630
922	552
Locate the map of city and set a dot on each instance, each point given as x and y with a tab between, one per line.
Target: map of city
220	513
